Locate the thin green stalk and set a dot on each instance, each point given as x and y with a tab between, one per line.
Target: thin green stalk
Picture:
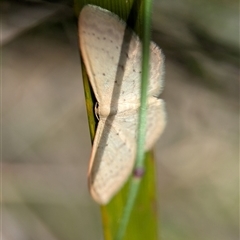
139	165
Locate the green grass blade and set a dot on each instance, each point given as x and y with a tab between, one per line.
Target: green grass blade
143	222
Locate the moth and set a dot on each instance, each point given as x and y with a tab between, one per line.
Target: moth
112	55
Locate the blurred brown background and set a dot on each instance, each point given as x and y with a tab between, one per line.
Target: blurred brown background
45	136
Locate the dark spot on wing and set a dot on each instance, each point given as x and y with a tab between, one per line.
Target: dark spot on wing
121	66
